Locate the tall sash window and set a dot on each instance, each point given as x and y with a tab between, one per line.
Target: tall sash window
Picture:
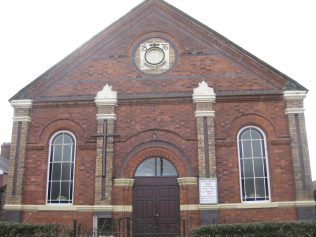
61	168
254	177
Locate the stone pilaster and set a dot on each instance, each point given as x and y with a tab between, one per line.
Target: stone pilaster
204	98
21	119
106	101
300	155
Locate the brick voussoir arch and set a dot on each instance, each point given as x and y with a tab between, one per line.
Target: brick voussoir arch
252	119
61	124
137	156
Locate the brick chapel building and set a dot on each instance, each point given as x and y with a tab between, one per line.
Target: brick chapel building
160	118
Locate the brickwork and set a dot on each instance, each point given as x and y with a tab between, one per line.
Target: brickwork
65	218
188	193
253	215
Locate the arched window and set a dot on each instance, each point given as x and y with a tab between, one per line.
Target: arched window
253	165
61	168
156	166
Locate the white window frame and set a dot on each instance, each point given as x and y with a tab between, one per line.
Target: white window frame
267	163
74	166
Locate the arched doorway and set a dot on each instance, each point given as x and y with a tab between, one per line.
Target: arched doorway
156	208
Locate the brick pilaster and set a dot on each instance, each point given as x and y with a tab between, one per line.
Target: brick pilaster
106	101
123	195
21	119
204	98
301	163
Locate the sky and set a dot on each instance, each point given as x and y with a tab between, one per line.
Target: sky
36	34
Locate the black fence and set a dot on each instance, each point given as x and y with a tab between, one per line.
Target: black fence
127	227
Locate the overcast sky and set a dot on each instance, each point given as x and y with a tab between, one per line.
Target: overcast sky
36	34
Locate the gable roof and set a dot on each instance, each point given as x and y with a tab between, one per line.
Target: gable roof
222	42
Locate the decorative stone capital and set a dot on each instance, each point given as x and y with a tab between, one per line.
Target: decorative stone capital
203	93
204	114
294	95
22	119
294	111
106	96
187	181
124	182
23	104
106	116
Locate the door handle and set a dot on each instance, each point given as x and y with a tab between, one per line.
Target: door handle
156	215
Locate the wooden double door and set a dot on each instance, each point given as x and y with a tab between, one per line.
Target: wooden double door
156	209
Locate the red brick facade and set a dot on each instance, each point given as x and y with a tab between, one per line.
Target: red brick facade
155	116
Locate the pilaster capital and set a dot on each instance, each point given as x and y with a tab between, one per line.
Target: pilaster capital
106	116
294	95
21	104
106	96
294	111
124	182
203	93
187	181
22	119
204	114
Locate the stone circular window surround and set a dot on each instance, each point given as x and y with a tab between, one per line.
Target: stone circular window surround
154	56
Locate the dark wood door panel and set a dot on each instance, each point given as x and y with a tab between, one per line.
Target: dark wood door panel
158	199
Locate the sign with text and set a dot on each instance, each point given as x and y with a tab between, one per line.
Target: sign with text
208	190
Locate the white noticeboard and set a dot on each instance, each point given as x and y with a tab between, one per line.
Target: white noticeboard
208	190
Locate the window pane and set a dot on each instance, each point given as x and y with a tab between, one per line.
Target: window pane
64	192
260	188
67	153
104	225
256	146
243	189
255	134
67	139
258	163
58	139
147	168
71	188
57	152
242	173
158	165
55	190
245	135
56	171
250	190
168	169
247	149
66	171
248	168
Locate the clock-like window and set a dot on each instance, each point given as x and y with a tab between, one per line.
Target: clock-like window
154	56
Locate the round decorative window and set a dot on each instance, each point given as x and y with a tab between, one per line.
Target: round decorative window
154	56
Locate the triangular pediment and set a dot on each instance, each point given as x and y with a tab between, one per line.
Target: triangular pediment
108	59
